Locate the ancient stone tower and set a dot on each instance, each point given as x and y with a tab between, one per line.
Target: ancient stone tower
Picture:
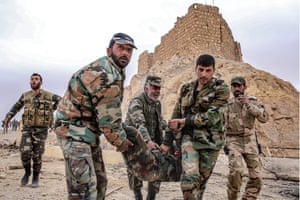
201	30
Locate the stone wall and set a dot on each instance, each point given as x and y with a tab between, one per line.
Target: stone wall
145	62
201	30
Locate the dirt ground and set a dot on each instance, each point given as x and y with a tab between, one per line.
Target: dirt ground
53	186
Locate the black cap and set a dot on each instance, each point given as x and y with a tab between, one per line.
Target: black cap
238	80
121	38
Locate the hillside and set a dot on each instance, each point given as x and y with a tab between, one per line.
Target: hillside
174	62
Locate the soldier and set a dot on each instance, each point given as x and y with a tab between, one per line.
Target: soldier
198	120
39	106
144	113
241	141
91	106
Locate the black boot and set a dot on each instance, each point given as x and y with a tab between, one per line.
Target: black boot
35	179
25	178
151	195
138	194
151	192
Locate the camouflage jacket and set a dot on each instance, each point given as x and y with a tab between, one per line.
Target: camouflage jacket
241	118
38	109
92	103
204	112
145	115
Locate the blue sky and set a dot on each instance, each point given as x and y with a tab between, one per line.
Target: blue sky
57	37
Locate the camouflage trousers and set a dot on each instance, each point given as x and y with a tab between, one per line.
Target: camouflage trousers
197	167
84	169
136	184
32	147
149	165
243	148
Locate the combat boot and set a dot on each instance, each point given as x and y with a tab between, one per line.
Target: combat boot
151	193
151	196
35	180
25	178
138	194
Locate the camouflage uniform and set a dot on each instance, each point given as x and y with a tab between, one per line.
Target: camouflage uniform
89	108
36	119
241	144
145	115
203	134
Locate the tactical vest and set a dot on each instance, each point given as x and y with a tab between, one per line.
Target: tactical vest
38	109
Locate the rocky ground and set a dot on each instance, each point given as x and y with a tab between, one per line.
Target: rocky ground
281	176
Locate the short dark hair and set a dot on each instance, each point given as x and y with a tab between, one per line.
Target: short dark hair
37	74
205	60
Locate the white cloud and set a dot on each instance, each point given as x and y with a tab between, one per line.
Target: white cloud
69	34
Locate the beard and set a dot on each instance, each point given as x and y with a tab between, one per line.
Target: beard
35	86
122	62
237	93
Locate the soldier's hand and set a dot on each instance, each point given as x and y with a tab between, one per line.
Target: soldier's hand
176	124
243	99
164	149
152	145
124	147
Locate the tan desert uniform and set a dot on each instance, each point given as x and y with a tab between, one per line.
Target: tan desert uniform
241	144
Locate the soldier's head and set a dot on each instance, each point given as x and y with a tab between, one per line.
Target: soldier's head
205	68
238	86
36	81
152	87
120	49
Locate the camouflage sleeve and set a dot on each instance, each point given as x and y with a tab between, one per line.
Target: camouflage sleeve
163	123
104	95
215	112
135	113
168	138
109	117
16	108
257	109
